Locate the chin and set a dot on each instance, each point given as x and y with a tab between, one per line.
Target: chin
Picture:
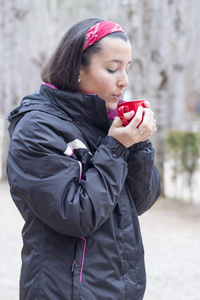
112	107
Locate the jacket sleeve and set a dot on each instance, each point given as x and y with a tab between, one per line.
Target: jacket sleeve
48	182
143	178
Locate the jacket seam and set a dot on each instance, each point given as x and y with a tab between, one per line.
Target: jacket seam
123	252
39	283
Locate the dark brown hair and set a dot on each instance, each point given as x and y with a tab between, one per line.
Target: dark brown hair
62	69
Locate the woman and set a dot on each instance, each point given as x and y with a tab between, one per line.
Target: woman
80	179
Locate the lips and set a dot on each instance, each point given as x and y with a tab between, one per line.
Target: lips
118	96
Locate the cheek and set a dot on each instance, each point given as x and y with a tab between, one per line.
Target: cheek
98	82
104	90
106	83
102	85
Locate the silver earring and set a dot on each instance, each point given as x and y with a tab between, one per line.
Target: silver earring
79	80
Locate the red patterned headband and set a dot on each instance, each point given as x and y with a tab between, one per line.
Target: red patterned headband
100	30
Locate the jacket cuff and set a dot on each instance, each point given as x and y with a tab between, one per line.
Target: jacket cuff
139	146
116	147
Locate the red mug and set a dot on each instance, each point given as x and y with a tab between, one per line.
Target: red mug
128	106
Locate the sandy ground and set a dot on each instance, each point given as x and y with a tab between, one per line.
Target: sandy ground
171	235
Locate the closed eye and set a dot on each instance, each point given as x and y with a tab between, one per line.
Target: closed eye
111	70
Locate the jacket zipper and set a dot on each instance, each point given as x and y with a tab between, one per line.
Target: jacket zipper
82	262
83	257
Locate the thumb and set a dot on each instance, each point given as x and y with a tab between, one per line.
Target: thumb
127	116
117	122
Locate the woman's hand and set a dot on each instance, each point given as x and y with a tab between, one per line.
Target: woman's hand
130	134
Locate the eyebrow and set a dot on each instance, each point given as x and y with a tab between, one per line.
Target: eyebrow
118	61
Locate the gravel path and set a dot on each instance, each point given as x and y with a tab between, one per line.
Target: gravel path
171	235
10	241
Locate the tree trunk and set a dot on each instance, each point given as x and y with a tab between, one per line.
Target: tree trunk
148	23
177	14
156	79
11	79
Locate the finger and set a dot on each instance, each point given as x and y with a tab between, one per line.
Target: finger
145	136
147	104
147	128
148	117
117	122
140	131
148	111
138	117
129	114
148	121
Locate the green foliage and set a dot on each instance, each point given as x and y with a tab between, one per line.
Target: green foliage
174	149
174	139
184	149
190	152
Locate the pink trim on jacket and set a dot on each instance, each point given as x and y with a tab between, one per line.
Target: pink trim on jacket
50	85
114	113
83	257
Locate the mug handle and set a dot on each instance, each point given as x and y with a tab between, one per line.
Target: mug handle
121	110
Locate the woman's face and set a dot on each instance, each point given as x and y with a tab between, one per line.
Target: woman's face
107	75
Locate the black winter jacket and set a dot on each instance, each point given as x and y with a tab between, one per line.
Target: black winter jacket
80	193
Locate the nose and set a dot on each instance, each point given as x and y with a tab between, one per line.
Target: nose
123	80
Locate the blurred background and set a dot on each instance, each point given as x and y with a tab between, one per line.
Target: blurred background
165	37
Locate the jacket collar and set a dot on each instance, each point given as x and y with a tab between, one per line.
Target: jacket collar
81	108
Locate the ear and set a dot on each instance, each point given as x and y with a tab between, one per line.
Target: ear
81	77
82	73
